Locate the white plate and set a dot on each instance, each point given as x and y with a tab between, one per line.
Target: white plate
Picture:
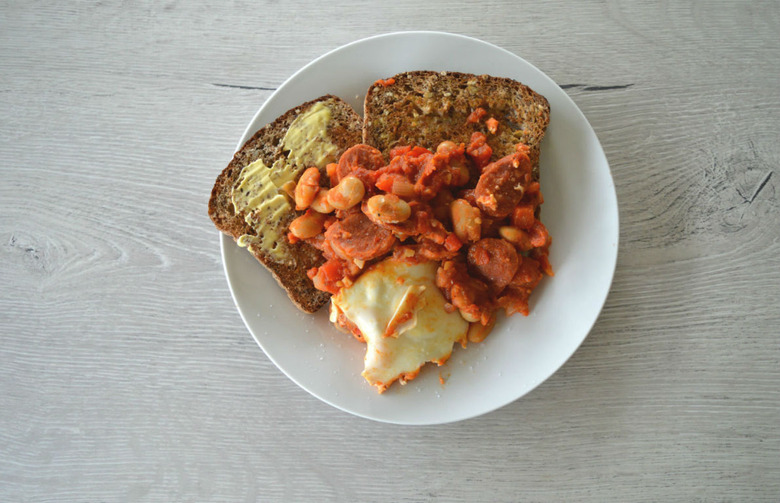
580	210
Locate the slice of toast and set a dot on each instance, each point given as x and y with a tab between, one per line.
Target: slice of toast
264	231
425	108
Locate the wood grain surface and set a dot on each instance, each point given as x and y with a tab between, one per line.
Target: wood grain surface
126	373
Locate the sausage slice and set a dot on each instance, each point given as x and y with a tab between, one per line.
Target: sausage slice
359	156
357	237
495	260
501	185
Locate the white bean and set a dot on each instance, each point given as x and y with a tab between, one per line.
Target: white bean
466	220
347	193
388	208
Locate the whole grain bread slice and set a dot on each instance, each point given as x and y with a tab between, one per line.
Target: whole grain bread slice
343	130
425	108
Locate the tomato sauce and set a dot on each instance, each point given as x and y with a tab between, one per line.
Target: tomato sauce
492	252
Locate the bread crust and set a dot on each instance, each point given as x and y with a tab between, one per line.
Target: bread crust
344	130
425	108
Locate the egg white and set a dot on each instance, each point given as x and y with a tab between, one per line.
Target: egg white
384	293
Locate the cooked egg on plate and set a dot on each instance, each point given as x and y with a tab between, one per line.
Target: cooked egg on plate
401	315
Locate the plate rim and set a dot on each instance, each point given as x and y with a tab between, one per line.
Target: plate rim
255	124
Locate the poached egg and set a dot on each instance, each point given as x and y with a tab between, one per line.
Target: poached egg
401	314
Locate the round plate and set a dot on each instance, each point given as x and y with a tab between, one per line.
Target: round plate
580	211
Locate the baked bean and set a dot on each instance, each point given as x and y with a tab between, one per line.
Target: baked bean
517	237
402	187
307	225
446	147
396	183
347	193
477	331
495	260
466	220
456	158
460	173
388	209
470	314
308	185
320	203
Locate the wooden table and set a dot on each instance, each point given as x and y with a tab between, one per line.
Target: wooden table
126	373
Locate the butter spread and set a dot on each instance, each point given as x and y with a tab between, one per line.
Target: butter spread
257	191
306	138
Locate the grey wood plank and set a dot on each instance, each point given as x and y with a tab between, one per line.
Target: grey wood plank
126	372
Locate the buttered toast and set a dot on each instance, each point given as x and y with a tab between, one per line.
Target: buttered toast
249	202
425	108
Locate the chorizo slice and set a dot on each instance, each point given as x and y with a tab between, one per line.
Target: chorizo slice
359	156
356	237
495	260
501	185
